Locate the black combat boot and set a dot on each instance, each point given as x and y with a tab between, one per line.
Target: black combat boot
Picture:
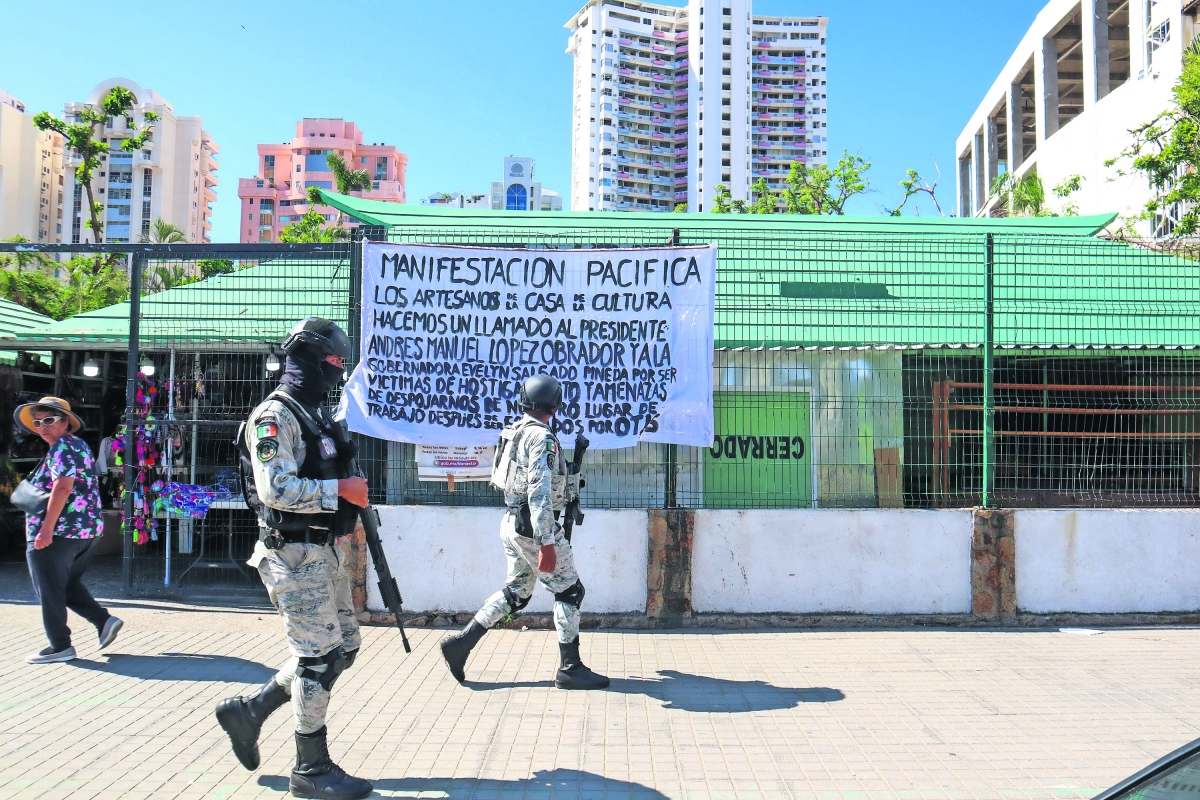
456	648
243	717
316	776
572	674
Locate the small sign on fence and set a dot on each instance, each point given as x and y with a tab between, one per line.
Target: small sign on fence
449	334
439	462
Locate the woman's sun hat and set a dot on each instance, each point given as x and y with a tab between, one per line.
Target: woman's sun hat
24	413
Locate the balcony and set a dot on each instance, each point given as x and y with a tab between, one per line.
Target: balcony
624	41
681	35
680	137
680	50
658	48
681	195
658	35
681	92
659	77
681	181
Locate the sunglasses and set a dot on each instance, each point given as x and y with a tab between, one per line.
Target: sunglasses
48	420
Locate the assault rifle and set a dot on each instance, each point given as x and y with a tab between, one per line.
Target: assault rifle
573	515
388	589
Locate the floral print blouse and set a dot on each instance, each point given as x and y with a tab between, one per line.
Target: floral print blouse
81	517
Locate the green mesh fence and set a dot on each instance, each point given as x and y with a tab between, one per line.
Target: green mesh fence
851	370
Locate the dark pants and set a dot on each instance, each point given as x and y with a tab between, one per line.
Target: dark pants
57	573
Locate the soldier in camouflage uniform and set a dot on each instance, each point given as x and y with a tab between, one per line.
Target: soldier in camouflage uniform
531	469
306	499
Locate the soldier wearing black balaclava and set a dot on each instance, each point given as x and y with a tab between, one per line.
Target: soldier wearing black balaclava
295	461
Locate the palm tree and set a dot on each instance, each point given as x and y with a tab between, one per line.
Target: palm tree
1021	197
163	232
347	180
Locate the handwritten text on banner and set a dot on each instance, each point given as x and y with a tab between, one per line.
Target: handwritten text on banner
449	334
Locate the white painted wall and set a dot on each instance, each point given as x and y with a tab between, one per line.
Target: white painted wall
451	559
1107	561
870	561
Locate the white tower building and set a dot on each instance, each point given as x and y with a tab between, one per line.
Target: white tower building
31	176
173	176
669	102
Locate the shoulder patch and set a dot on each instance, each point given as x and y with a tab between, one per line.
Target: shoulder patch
551	445
267	449
267	430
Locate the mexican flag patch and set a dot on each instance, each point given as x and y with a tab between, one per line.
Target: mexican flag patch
268	431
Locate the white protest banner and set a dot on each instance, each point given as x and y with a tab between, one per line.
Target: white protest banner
449	334
435	463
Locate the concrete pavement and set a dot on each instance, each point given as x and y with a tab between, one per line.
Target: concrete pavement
879	715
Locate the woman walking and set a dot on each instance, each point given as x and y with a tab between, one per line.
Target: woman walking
59	539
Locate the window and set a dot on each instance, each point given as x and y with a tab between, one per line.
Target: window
381	167
515	198
269	167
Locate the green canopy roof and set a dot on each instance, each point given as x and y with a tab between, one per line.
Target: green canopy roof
375	212
14	318
244	309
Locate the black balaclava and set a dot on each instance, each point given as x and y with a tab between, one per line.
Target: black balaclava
309	375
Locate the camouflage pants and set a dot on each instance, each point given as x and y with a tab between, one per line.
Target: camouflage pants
521	553
309	587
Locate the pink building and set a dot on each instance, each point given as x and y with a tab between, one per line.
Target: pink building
276	197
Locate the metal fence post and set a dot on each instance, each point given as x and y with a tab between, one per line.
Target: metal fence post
354	312
671	483
136	264
989	394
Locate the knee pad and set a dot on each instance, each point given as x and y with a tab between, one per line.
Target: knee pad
333	663
572	595
515	601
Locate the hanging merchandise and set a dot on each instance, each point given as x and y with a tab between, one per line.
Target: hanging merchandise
185	499
148	451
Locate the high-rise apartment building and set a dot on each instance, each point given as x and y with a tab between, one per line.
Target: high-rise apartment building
31	176
278	195
669	102
172	177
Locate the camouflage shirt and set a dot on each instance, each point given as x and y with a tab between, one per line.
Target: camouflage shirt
540	478
277	450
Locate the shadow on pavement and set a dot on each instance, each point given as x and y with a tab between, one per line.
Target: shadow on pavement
180	667
679	690
487	686
550	783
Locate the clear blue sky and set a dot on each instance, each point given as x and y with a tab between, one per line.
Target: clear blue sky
459	85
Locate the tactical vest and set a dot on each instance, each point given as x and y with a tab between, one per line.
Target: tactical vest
315	424
511	479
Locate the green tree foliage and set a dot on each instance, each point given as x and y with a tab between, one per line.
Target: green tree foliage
1167	149
163	232
26	260
1026	196
913	184
81	138
214	266
680	208
89	282
347	180
311	227
809	190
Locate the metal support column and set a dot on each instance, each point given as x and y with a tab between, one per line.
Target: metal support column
989	394
136	264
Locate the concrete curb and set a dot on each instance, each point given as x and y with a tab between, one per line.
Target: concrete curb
718	622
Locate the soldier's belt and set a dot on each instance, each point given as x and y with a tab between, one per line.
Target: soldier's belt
277	539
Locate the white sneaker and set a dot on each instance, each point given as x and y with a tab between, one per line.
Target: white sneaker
49	656
109	632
